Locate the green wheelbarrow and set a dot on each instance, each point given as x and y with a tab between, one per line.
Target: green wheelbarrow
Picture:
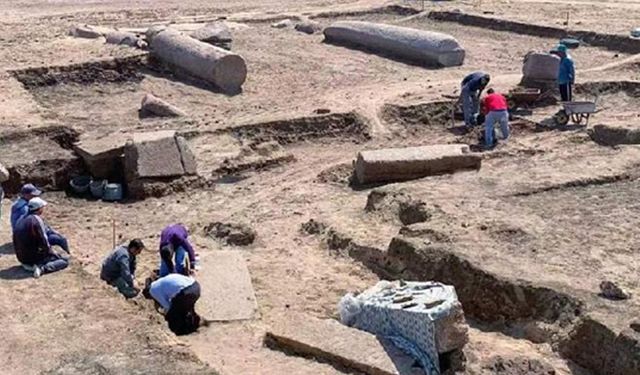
574	111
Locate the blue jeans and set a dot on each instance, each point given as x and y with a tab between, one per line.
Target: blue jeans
178	257
56	239
53	263
470	105
501	117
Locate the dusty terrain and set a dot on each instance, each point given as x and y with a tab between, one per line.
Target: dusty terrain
549	215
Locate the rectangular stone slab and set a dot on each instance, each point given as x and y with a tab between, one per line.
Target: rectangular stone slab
227	293
399	164
153	156
329	341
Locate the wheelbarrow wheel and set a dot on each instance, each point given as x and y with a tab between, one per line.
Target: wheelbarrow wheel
561	118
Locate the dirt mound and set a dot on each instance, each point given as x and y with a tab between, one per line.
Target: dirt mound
600	88
430	114
340	174
345	126
255	157
614	135
160	187
397	206
231	234
106	71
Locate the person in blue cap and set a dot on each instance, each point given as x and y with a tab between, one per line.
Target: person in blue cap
20	209
566	73
472	86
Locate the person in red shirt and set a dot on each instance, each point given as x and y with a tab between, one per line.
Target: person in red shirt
494	106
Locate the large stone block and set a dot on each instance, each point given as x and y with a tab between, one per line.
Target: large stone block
227	291
424	317
426	47
398	164
341	346
188	159
103	156
154	155
540	70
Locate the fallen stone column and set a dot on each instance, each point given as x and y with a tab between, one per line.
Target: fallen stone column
427	47
398	164
224	69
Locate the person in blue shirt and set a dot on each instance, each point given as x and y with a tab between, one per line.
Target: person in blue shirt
177	295
566	73
20	209
471	88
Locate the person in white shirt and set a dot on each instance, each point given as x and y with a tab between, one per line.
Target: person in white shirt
177	295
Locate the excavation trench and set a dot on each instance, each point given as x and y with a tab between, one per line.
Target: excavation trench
514	307
41	156
614	42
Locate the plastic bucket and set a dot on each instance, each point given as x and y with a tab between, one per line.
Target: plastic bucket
97	188
80	184
112	192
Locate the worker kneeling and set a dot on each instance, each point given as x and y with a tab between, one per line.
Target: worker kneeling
497	111
119	268
31	243
177	295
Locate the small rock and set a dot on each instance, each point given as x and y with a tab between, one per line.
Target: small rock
216	34
322	111
85	31
154	106
611	290
635	325
308	27
124	38
282	24
313	227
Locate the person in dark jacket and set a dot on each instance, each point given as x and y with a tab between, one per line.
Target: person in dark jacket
471	88
31	244
176	253
177	295
20	209
119	268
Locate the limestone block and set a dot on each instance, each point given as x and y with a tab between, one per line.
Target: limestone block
341	346
398	164
540	66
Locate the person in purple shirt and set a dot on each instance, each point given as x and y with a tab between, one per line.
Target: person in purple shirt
176	253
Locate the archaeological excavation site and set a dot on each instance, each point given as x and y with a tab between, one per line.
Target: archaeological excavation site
367	186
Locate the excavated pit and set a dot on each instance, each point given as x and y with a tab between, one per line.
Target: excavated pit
516	307
116	70
42	156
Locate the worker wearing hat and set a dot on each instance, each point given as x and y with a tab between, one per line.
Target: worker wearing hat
31	244
566	72
20	209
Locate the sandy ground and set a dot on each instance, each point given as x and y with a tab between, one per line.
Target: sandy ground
571	237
